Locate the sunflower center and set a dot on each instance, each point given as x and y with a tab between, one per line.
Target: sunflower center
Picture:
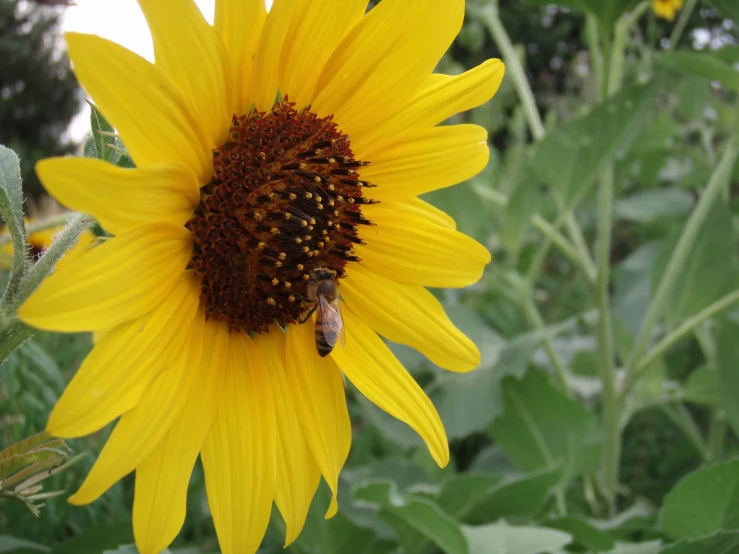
285	199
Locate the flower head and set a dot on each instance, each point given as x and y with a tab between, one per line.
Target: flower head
240	196
666	9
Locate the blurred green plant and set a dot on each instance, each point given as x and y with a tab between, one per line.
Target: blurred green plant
603	417
26	464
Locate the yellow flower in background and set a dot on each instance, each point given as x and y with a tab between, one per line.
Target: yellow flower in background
666	9
236	199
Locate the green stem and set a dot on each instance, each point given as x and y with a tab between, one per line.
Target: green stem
577	253
537	321
490	16
596	53
718	180
51	222
12	334
716	435
611	404
677	334
682	21
575	232
682	419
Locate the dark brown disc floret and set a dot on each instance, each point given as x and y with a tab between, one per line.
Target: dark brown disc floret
285	198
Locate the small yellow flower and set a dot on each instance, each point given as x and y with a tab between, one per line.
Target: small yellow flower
666	9
236	198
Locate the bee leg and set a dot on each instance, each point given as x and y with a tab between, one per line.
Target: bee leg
310	313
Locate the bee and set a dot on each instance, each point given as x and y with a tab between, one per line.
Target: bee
323	292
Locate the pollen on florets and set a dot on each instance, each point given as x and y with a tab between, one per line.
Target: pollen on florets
285	198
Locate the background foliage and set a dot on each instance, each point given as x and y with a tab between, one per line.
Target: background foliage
604	416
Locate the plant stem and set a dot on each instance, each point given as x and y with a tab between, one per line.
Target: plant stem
576	253
596	53
675	335
682	21
490	16
611	402
51	222
718	180
716	435
682	419
534	317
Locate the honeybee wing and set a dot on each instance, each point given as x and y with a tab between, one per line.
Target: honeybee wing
332	322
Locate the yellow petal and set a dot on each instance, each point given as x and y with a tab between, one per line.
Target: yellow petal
438	98
408	314
142	428
190	53
318	393
313	36
121	199
369	364
123	364
297	472
239	455
122	279
269	50
162	479
389	53
406	247
239	23
85	243
154	121
432	213
416	162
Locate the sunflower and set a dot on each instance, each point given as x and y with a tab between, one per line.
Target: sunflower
266	146
666	9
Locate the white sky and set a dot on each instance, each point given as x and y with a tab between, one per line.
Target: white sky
120	21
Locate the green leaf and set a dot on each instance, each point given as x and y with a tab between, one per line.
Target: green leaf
649	205
702	64
722	542
703	502
727	8
102	134
632	287
693	98
583	532
90	150
727	359
571	158
44	363
10	545
352	526
481	498
710	272
100	538
418	513
470	402
501	538
523	202
541	428
521	496
702	387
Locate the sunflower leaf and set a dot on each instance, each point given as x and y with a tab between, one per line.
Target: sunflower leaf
571	158
413	515
103	134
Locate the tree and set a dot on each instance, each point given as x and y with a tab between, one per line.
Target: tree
39	94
